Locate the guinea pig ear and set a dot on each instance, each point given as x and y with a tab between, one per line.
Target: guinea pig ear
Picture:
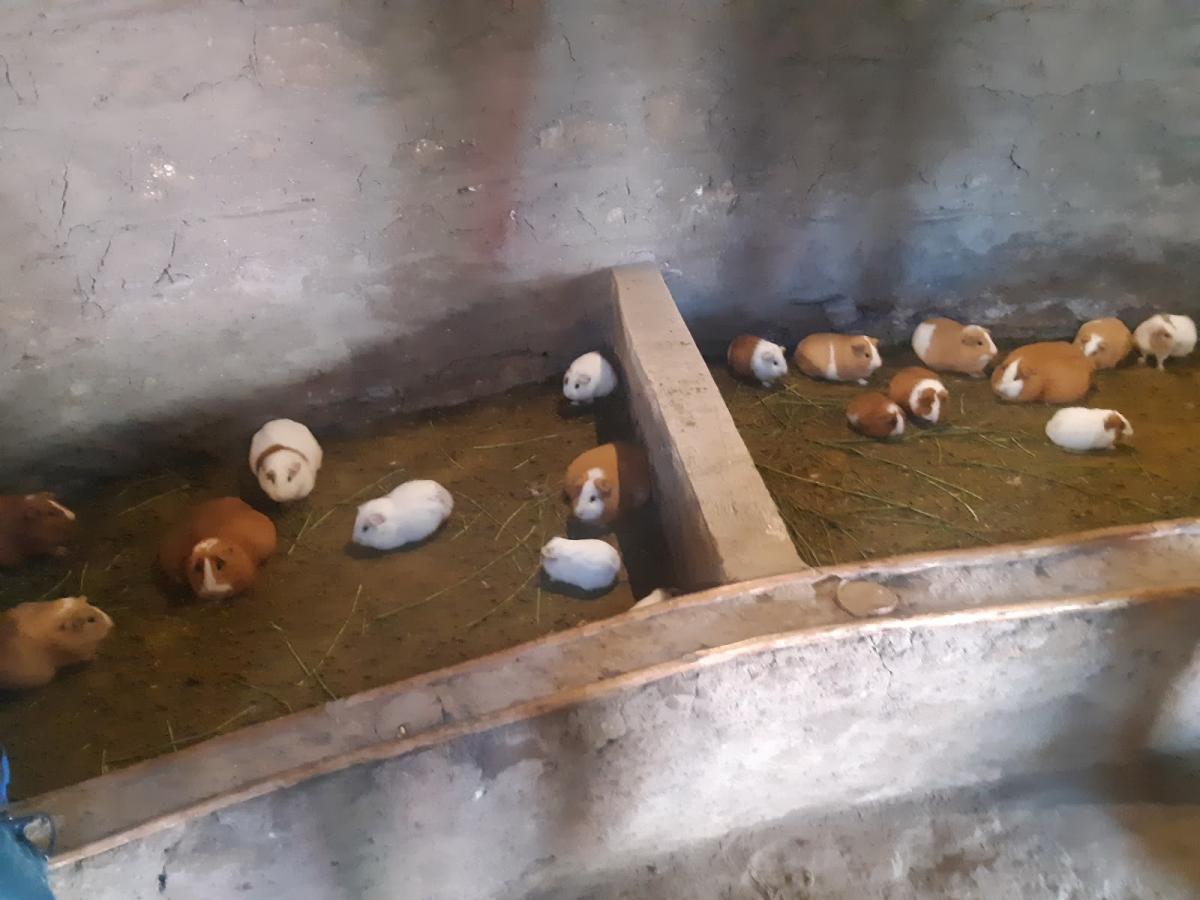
874	341
376	519
72	624
585	379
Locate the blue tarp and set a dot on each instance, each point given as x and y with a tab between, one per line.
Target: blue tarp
22	866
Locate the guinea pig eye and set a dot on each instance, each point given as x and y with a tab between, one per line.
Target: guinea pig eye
290	477
366	528
220	564
271	477
198	567
91	619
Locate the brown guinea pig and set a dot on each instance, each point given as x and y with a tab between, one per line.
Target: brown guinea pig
838	357
751	357
33	525
38	639
947	346
218	548
1047	372
1104	341
606	481
920	393
875	416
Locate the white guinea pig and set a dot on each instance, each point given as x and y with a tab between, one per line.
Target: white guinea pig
1079	428
285	458
588	564
410	513
589	377
1165	336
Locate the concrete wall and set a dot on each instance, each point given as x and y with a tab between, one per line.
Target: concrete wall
217	208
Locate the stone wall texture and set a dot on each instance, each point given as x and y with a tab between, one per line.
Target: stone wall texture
215	211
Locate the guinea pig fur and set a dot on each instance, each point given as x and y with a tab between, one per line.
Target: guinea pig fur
946	346
33	525
590	377
603	483
1078	428
1104	341
218	548
838	357
285	458
410	513
875	416
1048	372
752	357
920	393
588	564
1164	336
37	639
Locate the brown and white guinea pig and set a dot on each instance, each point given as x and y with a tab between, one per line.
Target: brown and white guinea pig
33	525
607	481
38	639
875	416
1047	372
218	548
1104	341
920	393
751	357
946	346
838	357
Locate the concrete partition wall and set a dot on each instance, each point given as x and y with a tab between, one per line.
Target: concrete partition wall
628	768
722	525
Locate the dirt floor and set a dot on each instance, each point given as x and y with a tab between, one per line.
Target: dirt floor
176	670
986	474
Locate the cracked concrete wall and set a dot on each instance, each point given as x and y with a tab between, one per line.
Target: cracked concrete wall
218	210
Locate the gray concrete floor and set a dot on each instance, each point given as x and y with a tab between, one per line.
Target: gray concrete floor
1107	835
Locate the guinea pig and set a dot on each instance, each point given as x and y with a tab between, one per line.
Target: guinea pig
1104	341
218	548
875	416
946	346
752	357
37	639
285	458
603	483
33	525
919	393
588	564
410	513
1078	428
1048	372
1165	336
838	357
590	377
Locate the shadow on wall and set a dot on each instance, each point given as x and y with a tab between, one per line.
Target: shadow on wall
829	110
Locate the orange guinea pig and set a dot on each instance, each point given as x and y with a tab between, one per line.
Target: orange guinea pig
1049	372
37	639
1104	341
33	525
875	416
947	346
218	548
838	357
606	481
751	357
920	393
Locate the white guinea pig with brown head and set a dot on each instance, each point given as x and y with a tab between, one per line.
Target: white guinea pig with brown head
946	346
919	392
838	357
1106	342
589	377
37	639
752	357
1078	428
875	416
1164	336
588	564
285	458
